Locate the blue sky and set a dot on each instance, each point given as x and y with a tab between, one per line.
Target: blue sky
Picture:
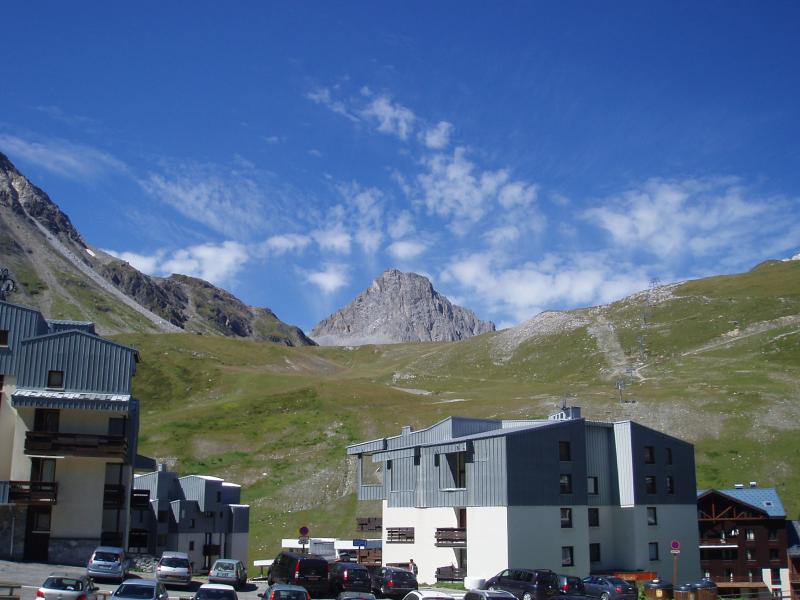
525	156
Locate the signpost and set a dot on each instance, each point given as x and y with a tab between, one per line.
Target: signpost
675	550
303	539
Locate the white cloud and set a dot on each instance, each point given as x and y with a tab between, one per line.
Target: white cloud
406	249
74	161
391	118
334	239
287	242
364	209
216	263
330	278
517	193
315	152
274	139
505	234
438	137
227	201
402	225
324	97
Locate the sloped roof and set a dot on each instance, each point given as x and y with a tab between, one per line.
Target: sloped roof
766	499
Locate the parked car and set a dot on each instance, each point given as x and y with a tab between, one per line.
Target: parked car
228	570
108	562
348	576
215	591
609	588
175	568
140	589
525	584
307	570
356	596
488	595
285	591
427	595
393	582
61	586
570	585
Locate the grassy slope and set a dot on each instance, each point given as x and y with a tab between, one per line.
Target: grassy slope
277	419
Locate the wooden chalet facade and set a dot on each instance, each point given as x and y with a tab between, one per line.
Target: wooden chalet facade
743	538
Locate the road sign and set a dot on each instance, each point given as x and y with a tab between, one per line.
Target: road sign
359	543
674	551
675	545
304	531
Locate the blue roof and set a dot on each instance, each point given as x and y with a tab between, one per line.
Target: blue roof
765	499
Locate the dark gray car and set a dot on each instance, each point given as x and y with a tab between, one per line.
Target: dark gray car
525	584
608	587
140	589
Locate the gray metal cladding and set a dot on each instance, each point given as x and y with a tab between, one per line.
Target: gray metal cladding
231	494
601	462
534	467
89	363
201	490
462	426
372	446
487	476
681	468
21	323
625	478
240	519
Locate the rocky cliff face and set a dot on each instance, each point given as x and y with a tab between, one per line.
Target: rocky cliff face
399	307
60	274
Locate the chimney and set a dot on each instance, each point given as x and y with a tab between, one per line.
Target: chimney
406	430
738	486
162	467
753	484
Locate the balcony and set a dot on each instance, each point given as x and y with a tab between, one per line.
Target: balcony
369	524
114	496
49	443
399	535
211	549
140	499
41	493
451	537
731	542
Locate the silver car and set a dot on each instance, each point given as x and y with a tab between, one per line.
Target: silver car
175	568
140	589
108	562
61	586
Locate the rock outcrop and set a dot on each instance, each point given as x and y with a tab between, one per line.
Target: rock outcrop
399	307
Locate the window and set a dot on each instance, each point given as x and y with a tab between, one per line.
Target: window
191	545
3	338
650	484
649	455
773	554
219	496
669	456
772	535
652	516
594	553
567	558
55	380
653	550
565	483
191	523
566	518
564	452
750	535
670	484
457	466
749	554
594	517
591	485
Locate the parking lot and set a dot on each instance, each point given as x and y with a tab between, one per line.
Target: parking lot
31	576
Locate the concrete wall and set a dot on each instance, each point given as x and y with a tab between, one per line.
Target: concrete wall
237	546
535	538
20	463
425	521
7	422
487	540
79	511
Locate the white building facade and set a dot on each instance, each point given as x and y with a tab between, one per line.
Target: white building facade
574	496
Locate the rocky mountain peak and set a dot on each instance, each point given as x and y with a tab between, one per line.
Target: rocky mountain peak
399	307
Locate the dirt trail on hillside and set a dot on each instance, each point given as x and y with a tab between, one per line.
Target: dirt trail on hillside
737	335
605	334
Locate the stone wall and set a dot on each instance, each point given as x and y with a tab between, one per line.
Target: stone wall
12	518
71	551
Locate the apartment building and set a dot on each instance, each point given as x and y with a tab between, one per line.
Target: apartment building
196	514
68	430
743	539
567	494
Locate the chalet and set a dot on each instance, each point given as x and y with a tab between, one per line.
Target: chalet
68	430
567	494
743	538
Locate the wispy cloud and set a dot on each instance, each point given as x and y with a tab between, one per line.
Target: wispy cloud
64	158
334	239
390	117
438	137
407	249
330	278
216	263
324	97
287	242
58	114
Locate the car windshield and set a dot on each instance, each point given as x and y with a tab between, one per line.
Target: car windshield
402	576
174	562
616	581
287	595
215	594
63	583
224	566
106	557
132	590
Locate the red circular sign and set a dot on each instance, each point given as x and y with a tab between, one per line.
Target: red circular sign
304	531
675	545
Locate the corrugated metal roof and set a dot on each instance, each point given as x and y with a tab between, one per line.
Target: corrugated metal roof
38	398
766	499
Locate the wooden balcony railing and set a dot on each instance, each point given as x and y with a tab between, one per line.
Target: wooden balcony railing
736	579
731	542
114	496
451	537
50	443
33	492
369	524
399	535
211	549
450	573
370	556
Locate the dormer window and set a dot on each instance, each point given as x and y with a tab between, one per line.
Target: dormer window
3	338
55	380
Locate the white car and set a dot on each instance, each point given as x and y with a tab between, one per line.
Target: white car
427	595
215	591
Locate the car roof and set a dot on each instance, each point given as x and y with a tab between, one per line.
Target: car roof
142	582
65	574
173	554
286	586
216	586
226	560
109	549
